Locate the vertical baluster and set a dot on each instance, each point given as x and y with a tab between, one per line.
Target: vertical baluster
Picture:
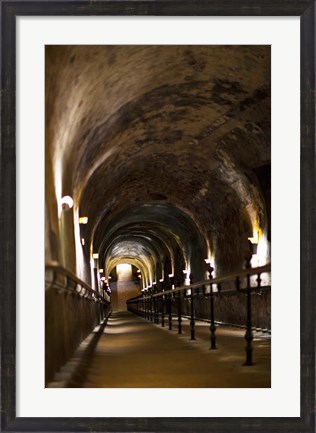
151	304
157	304
170	300
192	320
179	313
157	309
249	334
212	324
259	280
170	311
154	302
162	306
212	317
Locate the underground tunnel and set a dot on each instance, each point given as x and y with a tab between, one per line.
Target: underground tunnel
157	196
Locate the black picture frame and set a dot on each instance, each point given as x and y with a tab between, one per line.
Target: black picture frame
9	11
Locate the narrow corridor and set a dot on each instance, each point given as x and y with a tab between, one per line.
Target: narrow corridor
158	201
133	353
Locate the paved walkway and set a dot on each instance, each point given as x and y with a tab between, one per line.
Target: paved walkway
135	353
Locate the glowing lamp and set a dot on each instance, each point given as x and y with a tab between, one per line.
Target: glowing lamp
100	271
83	220
67	202
161	280
170	275
95	255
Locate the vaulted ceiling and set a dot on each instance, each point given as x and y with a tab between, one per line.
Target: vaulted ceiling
163	147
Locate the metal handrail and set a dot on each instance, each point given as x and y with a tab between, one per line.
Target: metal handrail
230	277
85	290
153	306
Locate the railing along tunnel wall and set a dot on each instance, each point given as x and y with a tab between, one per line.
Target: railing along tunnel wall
72	310
236	299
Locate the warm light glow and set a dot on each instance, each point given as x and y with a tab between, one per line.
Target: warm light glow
83	220
252	240
170	275
95	255
185	271
154	282
161	280
110	277
207	261
187	279
82	241
67	202
138	271
101	271
139	276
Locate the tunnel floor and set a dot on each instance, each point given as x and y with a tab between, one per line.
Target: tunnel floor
135	353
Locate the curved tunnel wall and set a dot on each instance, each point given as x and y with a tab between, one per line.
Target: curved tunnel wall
159	142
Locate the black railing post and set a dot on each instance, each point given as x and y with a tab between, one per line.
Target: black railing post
157	309
212	324
162	305
179	311
249	334
170	303
157	306
169	312
151	304
192	320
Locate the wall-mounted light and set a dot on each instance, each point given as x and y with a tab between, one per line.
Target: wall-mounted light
95	255
209	267
82	241
67	202
139	276
109	277
100	271
170	275
83	220
161	280
138	271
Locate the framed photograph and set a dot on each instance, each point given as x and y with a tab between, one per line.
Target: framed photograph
150	151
